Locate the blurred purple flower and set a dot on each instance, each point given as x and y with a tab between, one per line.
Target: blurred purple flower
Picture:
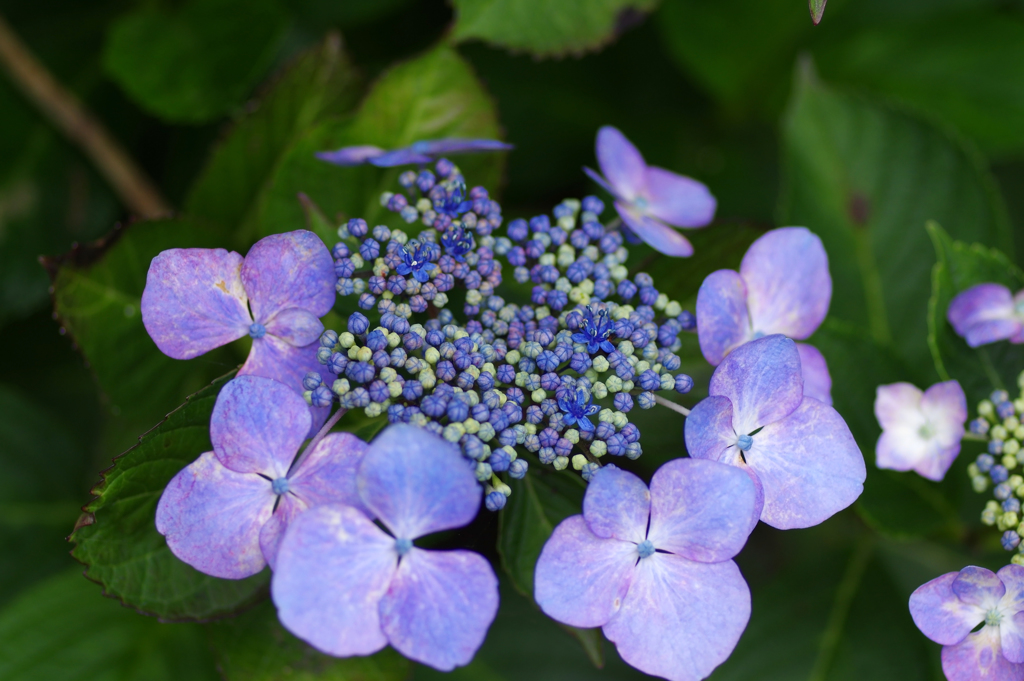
783	286
653	567
418	152
647	197
920	431
799	452
987	313
949	608
349	588
198	299
225	513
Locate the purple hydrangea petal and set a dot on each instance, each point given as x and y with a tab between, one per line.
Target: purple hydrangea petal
620	163
282	271
945	406
809	466
1011	627
657	235
898	410
417	483
399	157
581	579
678	200
275	359
1011	634
211	517
327	474
987	306
257	426
194	301
617	504
439	606
1012	577
940	615
333	567
979	586
708	431
288	508
762	380
814	370
457	146
350	156
788	284
596	177
722	321
296	326
701	510
979	657
680	619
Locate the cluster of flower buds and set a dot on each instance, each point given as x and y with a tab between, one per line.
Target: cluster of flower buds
999	422
504	375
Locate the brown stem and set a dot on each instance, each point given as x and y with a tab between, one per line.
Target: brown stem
64	110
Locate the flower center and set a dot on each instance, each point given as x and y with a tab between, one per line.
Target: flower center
280	486
641	203
744	442
257	330
645	548
926	431
993	617
402	546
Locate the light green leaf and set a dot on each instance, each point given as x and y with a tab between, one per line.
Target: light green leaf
866	179
545	29
64	630
195	62
117	538
255	647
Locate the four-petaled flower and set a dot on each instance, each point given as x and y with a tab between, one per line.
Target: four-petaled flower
799	451
198	299
949	608
453	203
594	331
418	152
987	313
418	263
920	431
457	243
647	197
653	567
347	587
225	513
783	286
577	406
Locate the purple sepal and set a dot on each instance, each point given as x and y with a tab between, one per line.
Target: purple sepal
621	163
814	370
940	615
292	270
272	358
762	380
979	657
722	320
617	504
288	508
350	156
658	235
327	475
678	200
399	157
920	431
984	314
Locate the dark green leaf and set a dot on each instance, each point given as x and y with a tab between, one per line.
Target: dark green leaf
817	8
434	96
255	647
866	179
959	267
97	292
545	29
117	538
197	61
320	83
64	630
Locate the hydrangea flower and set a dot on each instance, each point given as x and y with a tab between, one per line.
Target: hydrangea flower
987	313
949	608
225	513
783	286
653	567
920	431
198	299
349	588
418	152
650	199
799	451
594	330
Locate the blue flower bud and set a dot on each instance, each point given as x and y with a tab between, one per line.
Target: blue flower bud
683	384
1005	409
687	320
517	469
1011	505
633	451
589	469
499	460
312	381
322	396
458	411
495	501
358	323
985	462
999	474
546	455
323	355
1010	540
995	447
645	400
378	391
396	413
592	204
357	228
360	372
257	330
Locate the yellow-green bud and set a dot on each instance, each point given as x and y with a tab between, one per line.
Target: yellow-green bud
538	395
1011	423
1011	447
513	357
599	391
605	416
979	483
578	461
1007	520
432	355
598	448
1009	462
572	435
986	408
531	428
346	339
626	348
472	426
453	432
394	389
613	383
560	463
374	409
998	433
364	354
427	379
600	364
627	386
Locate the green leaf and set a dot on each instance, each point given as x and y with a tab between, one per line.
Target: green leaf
545	29
434	96
64	630
817	8
196	62
959	267
319	84
97	292
866	179
117	538
255	647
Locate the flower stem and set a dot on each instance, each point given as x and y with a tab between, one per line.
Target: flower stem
672	405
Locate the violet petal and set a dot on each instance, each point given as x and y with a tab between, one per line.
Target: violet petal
350	156
722	321
620	163
678	200
940	615
327	475
617	504
655	234
762	380
289	270
814	370
979	657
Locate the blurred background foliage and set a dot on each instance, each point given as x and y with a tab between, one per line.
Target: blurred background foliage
887	115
